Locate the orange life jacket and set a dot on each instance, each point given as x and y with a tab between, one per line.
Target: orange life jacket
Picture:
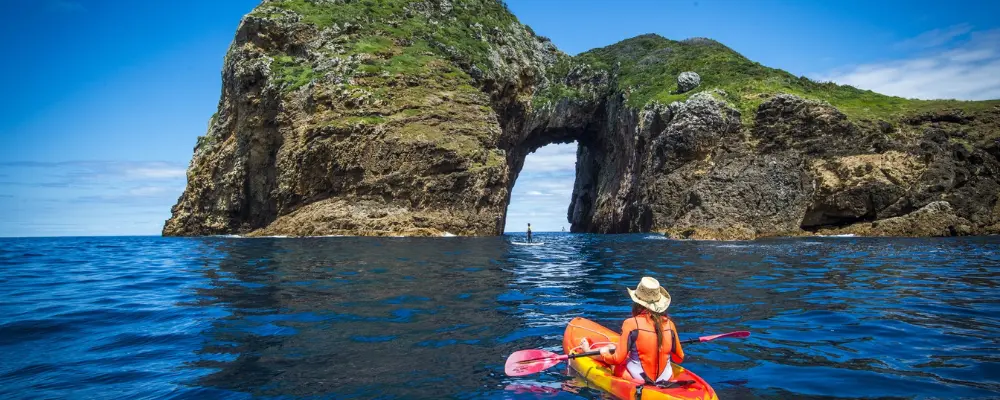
640	331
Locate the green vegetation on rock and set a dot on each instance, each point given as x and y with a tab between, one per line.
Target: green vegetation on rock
290	73
456	36
648	67
405	65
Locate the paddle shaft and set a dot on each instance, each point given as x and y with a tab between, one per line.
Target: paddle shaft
526	362
737	334
587	354
689	341
561	357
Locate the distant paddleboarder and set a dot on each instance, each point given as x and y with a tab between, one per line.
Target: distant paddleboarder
529	232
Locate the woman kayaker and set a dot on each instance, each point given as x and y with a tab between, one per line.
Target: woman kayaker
648	343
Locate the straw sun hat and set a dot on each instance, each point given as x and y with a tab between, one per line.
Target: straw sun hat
651	295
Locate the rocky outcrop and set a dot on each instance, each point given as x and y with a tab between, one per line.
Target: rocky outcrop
935	219
687	81
416	119
786	122
328	127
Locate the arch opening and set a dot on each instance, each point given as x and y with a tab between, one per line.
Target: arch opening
543	190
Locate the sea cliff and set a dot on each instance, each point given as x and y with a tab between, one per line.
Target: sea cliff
415	117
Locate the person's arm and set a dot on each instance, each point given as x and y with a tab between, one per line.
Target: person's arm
678	352
621	349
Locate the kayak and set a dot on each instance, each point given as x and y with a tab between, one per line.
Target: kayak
599	375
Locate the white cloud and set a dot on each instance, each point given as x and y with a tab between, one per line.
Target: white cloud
543	190
551	158
965	69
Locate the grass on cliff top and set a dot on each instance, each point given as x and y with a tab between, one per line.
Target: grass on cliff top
451	35
650	64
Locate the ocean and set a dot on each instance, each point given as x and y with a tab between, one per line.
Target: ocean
429	318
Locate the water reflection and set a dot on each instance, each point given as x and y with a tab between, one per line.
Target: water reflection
356	317
435	318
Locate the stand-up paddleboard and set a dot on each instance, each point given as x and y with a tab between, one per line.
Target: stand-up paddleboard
528	244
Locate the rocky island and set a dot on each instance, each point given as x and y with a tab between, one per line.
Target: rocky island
414	118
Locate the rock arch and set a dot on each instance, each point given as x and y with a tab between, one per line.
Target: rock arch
381	126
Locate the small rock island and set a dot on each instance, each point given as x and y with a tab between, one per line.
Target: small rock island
415	117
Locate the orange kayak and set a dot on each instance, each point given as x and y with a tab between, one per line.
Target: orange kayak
599	375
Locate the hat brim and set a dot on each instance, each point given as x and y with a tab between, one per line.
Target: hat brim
659	306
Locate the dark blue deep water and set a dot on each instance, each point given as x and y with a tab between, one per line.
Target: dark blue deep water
130	318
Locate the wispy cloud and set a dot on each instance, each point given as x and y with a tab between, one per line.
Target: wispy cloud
96	197
139	197
156	172
552	158
935	37
956	64
149	191
68	173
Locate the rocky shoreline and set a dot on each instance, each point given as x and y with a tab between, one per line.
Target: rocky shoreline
415	120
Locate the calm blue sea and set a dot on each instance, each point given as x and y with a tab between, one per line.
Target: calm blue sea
413	318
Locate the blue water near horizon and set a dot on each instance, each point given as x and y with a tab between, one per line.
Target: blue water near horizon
385	318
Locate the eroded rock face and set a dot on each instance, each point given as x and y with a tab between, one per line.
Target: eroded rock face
859	187
334	128
787	122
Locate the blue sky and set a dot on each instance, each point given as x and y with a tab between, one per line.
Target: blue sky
103	99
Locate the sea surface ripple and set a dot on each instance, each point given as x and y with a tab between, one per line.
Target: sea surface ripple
414	318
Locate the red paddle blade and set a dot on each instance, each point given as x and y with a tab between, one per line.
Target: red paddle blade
527	362
737	334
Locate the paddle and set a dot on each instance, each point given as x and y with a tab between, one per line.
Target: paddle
527	362
737	334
